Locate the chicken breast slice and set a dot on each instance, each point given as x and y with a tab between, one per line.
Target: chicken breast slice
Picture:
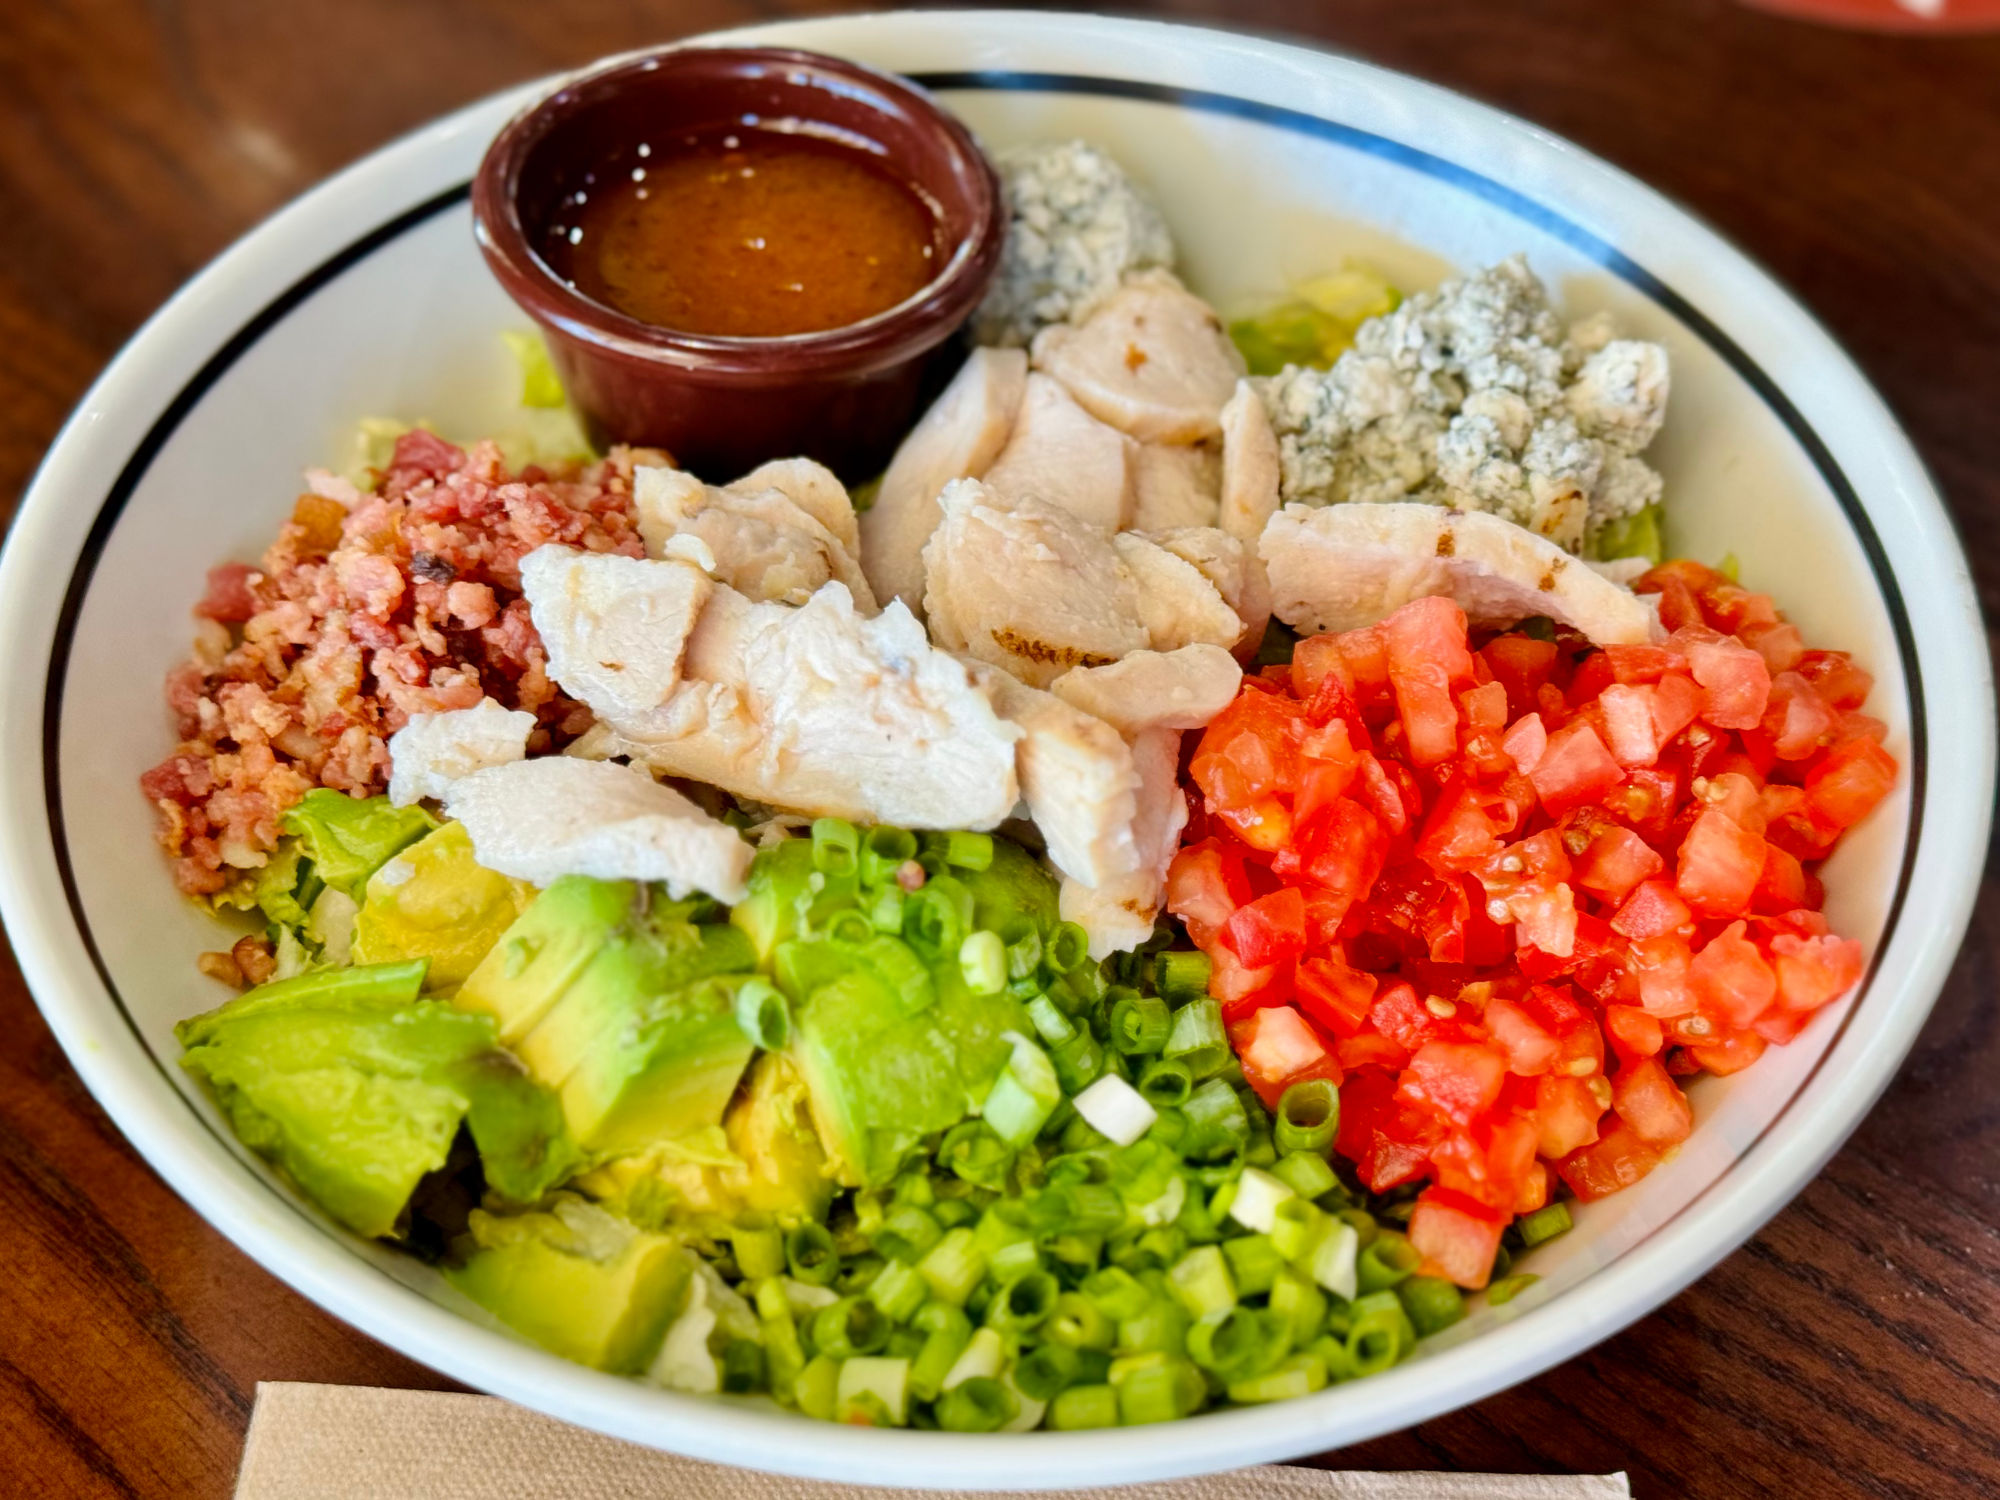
958	438
432	751
760	542
1251	466
1341	567
1152	359
1119	913
1027	587
1077	779
539	820
1059	453
1176	484
1177	603
614	627
1235	570
814	489
1149	690
825	711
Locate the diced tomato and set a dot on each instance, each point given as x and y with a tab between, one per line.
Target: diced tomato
1455	1080
1388	1142
1205	885
1534	1190
1574	769
1633	1032
1782	885
1368	1049
1520	664
1780	645
1341	854
1654	909
1567	1112
1399	1014
1647	1099
1269	930
1731	979
1719	865
1277	1047
1617	1159
1727	1054
1797	720
1844	787
1814	971
1526	742
1615	863
1457	1236
1676	702
1840	682
1630	720
1529	1047
1735	683
1485	706
1638	664
1335	996
1242	988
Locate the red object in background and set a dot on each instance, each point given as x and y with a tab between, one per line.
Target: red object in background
1892	15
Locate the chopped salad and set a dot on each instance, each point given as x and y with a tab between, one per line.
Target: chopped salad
1189	880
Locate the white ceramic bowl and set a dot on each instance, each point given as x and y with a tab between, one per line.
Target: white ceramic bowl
367	296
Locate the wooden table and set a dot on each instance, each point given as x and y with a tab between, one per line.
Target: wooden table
1850	1349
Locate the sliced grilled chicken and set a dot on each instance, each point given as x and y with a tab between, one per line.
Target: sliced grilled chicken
1059	453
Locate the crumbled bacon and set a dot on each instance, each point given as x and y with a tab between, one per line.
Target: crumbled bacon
369	606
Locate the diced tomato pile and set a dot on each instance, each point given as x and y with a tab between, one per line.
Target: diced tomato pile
1508	896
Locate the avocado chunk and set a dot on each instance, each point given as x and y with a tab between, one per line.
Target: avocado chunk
435	901
624	1005
355	1089
349	838
578	1281
780	893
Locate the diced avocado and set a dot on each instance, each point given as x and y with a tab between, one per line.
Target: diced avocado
272	888
785	1174
348	838
435	901
880	1078
542	954
1015	885
579	1282
780	883
667	1064
355	1089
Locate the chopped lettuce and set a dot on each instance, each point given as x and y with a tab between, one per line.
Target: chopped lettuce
348	838
540	385
1315	325
1636	535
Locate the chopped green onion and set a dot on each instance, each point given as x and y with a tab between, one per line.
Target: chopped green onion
817	1390
849	929
969	851
1333	1262
1390	1260
974	1153
1218	1126
1507	1288
1116	1110
1012	1260
1366	1230
897	965
980	1404
856	1273
983	1357
762	1014
1300	1375
1380	1333
867	1385
1297	1227
742	1367
1254	1263
760	1253
946	1331
1234	1342
1087	982
1116	1293
898	1290
885	909
1432	1303
1024	955
1068	947
1544	1224
937	917
982	958
1078	1323
1023	1303
1181	977
809	1252
1308	1119
1196	1038
885	851
1160	1328
1044	1371
1024	1096
1166	1084
1255	1202
836	846
1139	1024
908	1234
1051	1025
784	1356
1305	1173
1084	1406
1156	1387
1200	1279
1079	1062
1300	1304
853	1325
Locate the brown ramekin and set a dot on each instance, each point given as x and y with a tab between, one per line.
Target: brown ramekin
722	405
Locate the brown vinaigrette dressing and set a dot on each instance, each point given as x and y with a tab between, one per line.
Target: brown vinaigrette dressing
752	234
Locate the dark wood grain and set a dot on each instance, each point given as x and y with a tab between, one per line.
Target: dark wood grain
1852	1349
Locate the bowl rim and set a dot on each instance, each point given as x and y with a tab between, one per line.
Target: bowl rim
924	318
295	1246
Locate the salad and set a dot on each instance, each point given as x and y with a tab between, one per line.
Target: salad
1150	907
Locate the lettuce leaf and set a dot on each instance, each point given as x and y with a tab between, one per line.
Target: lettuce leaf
348	839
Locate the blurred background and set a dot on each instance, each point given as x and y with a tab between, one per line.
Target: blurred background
1853	146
